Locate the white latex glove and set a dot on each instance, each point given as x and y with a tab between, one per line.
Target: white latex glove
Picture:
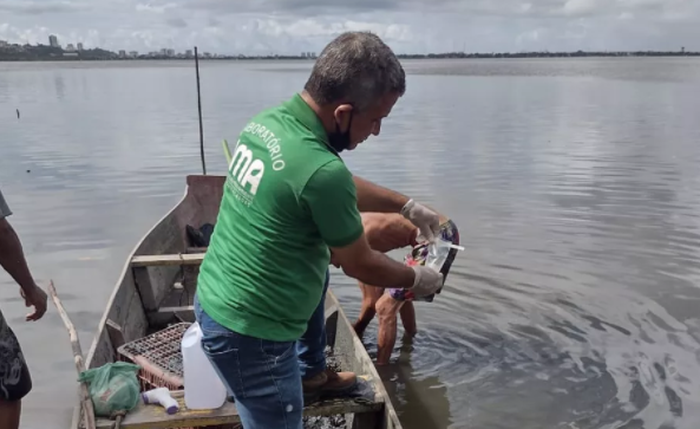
422	217
427	281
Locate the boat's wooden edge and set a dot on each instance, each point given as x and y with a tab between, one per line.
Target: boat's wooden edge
77	415
77	412
159	260
124	272
154	416
389	410
360	351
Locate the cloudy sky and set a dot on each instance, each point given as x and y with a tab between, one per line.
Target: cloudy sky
293	26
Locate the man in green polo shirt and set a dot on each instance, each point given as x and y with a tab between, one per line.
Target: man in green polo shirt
289	201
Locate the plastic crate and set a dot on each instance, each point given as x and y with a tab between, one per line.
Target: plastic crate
159	357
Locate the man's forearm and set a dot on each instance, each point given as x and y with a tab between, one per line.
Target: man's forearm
377	269
375	198
12	257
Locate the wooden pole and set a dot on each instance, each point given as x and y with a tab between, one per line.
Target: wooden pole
78	358
199	108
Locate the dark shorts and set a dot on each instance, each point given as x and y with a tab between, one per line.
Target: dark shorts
15	381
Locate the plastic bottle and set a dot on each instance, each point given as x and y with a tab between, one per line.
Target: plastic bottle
204	390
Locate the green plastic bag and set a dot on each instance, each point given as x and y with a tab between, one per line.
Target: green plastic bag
112	387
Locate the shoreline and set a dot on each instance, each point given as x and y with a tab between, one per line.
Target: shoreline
444	56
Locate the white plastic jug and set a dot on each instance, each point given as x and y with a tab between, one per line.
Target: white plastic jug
204	390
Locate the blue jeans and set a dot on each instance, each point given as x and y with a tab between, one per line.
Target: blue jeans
265	376
311	346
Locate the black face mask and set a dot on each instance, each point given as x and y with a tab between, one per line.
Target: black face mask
340	140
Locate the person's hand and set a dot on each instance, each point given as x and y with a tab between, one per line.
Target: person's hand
428	280
34	296
425	219
388	231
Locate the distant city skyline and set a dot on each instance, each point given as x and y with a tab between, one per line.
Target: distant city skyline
54	42
55	52
72	49
75	50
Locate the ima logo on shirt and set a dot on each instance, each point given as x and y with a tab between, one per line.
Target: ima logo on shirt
245	173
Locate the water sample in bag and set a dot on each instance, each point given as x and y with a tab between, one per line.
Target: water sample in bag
439	255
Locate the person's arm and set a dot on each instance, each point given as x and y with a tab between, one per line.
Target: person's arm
388	231
13	261
12	257
371	267
374	198
332	200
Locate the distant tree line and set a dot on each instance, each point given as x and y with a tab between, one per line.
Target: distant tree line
540	54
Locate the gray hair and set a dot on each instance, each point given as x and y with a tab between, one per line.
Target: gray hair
357	67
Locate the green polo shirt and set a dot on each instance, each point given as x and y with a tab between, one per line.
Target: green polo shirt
288	197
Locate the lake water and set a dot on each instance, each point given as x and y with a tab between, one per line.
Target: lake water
575	184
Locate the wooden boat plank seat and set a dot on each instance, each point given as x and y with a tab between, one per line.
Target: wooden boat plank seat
166	260
155	417
187	309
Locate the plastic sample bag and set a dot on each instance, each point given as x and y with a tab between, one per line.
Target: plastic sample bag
112	387
439	255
